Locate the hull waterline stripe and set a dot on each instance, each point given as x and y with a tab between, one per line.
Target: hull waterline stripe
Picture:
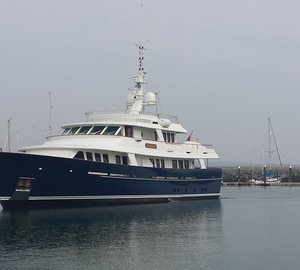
126	197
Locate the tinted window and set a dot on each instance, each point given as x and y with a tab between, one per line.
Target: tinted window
186	164
174	164
118	160
180	163
110	130
96	130
125	160
73	130
79	155
84	130
128	131
98	157
89	156
162	163
105	158
157	163
172	137
65	132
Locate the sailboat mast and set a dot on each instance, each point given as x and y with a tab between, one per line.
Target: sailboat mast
277	150
269	142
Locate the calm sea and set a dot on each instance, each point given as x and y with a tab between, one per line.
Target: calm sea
248	228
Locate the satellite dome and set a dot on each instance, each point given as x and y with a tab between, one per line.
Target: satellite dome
150	98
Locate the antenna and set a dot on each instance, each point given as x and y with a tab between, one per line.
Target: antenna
9	135
50	113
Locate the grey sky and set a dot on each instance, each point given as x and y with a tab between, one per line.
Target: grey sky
223	67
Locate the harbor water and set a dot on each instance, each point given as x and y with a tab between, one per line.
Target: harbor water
247	228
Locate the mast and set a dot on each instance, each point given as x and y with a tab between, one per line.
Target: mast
269	144
50	113
137	97
9	135
270	151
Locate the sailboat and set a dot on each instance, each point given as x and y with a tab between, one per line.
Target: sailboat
268	176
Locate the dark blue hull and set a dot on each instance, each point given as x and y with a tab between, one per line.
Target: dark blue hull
30	181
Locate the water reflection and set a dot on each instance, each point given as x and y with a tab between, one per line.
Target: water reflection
126	237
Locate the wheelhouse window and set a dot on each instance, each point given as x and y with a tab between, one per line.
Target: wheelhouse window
110	130
79	155
73	130
66	131
96	130
84	130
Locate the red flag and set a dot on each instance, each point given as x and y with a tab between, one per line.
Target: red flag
189	138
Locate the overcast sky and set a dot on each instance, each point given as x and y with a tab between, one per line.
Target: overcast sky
222	66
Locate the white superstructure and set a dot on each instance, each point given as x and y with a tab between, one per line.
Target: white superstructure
132	138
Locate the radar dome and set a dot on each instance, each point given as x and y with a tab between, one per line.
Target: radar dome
150	98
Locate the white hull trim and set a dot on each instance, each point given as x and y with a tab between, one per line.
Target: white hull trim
119	197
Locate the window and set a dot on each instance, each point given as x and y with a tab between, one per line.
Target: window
172	137
124	160
128	131
165	136
162	163
73	130
152	161
118	159
157	163
174	164
155	136
66	131
180	163
105	158
89	156
79	155
98	157
96	130
84	130
110	130
169	137
186	164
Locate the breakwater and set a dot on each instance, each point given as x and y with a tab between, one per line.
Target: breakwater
244	174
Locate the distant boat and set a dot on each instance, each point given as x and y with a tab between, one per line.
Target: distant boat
268	178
